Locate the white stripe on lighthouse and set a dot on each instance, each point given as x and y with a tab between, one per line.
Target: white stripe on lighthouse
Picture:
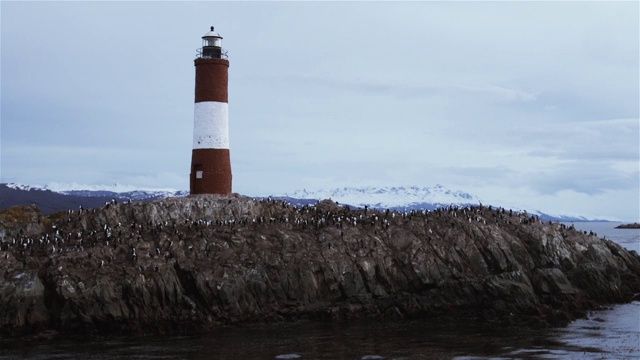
211	125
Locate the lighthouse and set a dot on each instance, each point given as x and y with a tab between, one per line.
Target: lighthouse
210	161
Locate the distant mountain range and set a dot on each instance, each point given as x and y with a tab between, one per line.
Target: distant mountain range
411	197
49	201
393	198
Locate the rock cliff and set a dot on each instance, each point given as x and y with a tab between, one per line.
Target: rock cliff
190	264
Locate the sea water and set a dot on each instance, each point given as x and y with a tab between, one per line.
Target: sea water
613	333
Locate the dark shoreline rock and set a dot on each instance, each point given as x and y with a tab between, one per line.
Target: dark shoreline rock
207	261
628	226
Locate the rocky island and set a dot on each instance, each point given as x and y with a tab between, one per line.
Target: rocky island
628	226
199	262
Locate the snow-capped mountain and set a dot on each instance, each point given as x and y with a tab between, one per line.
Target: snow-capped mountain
135	195
21	187
50	201
114	191
391	197
412	197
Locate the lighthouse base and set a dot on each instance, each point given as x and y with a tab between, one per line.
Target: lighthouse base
210	172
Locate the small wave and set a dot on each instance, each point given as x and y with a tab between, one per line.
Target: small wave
289	356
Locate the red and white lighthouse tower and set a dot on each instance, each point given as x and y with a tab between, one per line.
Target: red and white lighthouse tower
210	161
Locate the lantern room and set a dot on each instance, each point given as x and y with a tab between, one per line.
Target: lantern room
211	46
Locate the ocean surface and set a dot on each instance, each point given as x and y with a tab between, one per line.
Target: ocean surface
613	333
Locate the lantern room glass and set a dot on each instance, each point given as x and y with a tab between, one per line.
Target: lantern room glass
212	41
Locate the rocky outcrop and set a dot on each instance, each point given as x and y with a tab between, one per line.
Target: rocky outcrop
190	264
628	226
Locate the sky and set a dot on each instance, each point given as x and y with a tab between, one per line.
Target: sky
527	103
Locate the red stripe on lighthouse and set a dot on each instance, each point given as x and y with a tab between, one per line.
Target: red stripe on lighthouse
210	171
212	80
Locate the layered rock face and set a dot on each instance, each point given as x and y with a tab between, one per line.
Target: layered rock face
190	264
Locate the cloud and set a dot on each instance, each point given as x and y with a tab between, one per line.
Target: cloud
407	90
595	141
500	93
590	179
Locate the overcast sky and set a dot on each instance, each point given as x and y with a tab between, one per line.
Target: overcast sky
529	103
